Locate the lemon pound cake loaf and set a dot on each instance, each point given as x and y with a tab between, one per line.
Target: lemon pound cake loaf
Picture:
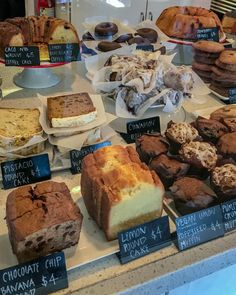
119	191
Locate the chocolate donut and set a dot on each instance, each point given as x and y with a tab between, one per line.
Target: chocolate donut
139	40
148	33
87	37
108	46
106	29
123	38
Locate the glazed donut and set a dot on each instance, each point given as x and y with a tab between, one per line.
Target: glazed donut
106	29
123	38
148	33
139	40
105	46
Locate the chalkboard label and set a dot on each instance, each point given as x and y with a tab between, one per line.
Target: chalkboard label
232	95
137	128
25	171
145	47
229	215
144	239
38	277
210	34
64	52
76	157
22	56
199	227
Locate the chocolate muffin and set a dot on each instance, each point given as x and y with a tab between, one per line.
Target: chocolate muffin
223	180
201	156
210	130
227	145
151	145
191	195
180	133
168	169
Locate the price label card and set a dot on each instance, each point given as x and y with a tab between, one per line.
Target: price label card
210	34
145	47
25	171
38	277
64	52
144	239
76	157
229	215
199	227
22	56
137	128
232	95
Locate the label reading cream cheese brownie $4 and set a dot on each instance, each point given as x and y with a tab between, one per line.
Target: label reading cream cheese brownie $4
25	171
38	277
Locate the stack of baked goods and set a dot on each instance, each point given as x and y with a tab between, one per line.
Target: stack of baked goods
20	133
36	30
182	22
189	154
42	220
229	22
224	73
119	191
205	55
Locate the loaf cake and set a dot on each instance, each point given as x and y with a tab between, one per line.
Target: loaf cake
118	190
71	110
18	126
35	30
183	21
42	220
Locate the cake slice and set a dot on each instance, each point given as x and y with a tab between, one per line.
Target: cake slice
119	191
42	220
18	126
23	24
71	110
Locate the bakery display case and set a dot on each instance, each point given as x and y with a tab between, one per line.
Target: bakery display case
120	175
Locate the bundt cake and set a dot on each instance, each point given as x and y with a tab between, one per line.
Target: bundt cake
182	22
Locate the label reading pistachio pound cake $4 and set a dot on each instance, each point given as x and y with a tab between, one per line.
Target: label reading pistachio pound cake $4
209	34
144	239
199	227
64	52
38	277
22	56
25	171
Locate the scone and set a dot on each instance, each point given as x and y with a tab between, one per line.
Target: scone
42	220
228	111
71	110
227	145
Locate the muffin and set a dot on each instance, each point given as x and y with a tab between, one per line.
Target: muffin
227	145
180	133
191	195
210	130
201	156
223	180
168	169
151	145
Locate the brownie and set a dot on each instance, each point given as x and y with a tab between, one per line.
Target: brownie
227	145
223	180
191	194
210	130
151	145
168	169
201	156
180	133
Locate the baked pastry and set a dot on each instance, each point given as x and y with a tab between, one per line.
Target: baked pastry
210	130
168	169
191	195
203	47
230	123
118	190
228	111
229	22
139	40
223	180
180	133
151	145
18	126
106	29
42	220
148	33
201	156
71	110
123	38
227	145
183	21
105	46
